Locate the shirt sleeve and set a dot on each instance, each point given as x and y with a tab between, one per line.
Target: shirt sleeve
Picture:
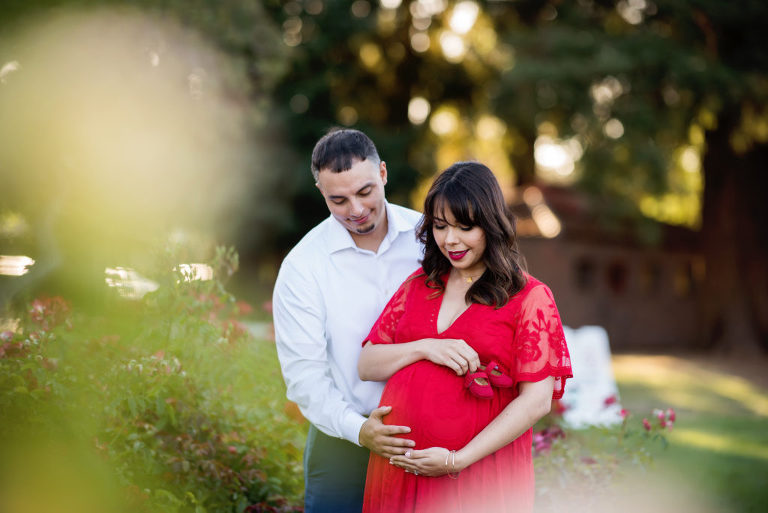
383	331
299	317
539	343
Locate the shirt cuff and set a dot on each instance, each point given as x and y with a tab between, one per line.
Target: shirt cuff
351	426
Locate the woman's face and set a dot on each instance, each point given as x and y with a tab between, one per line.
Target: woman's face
462	245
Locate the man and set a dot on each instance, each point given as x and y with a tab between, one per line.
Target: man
330	290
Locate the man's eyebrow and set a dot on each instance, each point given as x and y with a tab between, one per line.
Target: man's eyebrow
369	184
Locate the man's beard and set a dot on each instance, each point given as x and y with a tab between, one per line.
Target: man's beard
367	229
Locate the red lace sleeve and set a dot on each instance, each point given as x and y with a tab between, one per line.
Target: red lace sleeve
539	343
383	331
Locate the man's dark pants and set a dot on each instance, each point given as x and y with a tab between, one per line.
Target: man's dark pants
334	474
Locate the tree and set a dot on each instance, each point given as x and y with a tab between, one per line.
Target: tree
661	100
686	75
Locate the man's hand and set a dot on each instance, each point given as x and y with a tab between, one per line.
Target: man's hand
380	438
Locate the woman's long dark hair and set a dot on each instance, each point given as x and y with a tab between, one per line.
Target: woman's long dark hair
470	191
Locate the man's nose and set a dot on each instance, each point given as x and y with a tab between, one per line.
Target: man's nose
355	208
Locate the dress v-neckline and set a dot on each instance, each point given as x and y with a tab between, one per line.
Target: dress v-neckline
455	320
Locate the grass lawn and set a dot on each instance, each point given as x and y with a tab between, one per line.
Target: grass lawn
718	453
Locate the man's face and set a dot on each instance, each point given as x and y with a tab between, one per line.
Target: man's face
356	197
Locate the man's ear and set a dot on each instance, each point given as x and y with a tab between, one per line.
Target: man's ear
383	172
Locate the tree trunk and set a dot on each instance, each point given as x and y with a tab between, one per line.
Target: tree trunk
734	298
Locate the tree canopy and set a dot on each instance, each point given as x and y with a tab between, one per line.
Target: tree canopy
656	108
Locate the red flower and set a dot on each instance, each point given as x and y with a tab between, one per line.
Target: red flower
624	413
609	400
49	312
558	408
646	425
671	414
243	308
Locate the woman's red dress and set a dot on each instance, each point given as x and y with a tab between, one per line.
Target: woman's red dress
526	337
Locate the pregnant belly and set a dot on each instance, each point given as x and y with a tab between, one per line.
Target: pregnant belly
432	401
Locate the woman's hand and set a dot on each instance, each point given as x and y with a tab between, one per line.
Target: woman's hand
452	353
431	462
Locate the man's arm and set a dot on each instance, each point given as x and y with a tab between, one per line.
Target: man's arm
299	315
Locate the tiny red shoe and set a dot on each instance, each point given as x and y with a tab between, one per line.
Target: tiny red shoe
477	383
498	376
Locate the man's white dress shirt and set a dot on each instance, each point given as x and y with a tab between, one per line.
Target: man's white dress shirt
327	296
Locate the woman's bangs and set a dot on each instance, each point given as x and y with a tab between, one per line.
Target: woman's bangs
459	203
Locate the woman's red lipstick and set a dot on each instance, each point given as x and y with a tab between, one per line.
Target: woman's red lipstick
457	255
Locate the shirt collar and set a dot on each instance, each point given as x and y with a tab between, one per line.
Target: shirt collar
339	237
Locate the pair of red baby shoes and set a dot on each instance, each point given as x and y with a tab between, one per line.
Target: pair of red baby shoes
481	382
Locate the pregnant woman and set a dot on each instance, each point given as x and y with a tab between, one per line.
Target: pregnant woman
472	349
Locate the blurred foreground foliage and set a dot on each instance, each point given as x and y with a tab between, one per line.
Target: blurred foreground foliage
166	404
588	466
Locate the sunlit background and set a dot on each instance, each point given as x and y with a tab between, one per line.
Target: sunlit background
629	138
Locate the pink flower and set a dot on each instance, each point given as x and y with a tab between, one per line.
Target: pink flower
232	449
609	400
558	408
588	460
646	425
243	308
6	336
663	423
671	414
624	413
670	424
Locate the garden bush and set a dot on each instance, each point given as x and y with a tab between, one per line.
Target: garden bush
581	468
170	399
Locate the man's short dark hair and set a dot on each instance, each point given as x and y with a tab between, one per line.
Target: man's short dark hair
340	148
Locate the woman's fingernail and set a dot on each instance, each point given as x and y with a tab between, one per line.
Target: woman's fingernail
407	454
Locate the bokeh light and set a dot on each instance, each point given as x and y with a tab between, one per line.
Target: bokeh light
464	16
556	159
613	128
453	46
391	4
418	110
444	121
15	265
